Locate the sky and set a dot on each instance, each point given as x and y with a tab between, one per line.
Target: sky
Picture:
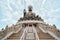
12	10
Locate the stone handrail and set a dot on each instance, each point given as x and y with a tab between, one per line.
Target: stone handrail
25	31
23	35
37	38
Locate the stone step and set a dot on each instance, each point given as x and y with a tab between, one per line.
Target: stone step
12	39
15	36
47	39
44	36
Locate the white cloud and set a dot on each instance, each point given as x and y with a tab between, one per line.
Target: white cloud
12	14
43	3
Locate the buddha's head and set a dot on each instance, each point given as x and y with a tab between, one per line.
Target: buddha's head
30	8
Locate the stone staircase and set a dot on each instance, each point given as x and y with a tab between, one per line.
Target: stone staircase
30	35
44	36
15	36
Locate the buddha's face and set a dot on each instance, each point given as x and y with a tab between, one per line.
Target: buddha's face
30	8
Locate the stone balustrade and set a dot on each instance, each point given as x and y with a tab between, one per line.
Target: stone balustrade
8	30
30	21
54	30
2	33
58	33
51	29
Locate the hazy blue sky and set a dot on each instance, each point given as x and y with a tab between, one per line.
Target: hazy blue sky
12	10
